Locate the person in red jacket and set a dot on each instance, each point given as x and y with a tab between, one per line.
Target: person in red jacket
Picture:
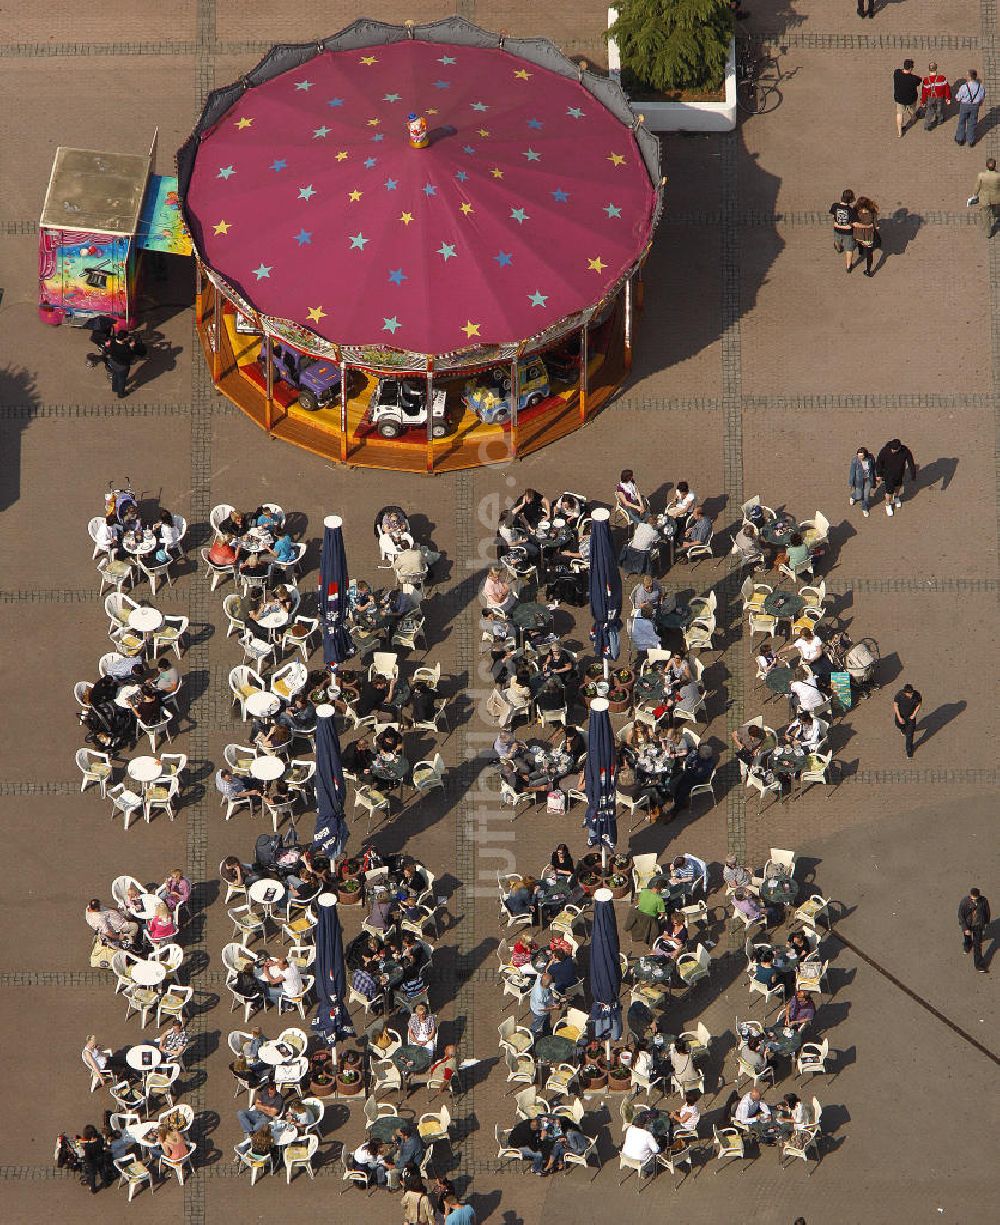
935	92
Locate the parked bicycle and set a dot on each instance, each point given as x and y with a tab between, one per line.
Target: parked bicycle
758	75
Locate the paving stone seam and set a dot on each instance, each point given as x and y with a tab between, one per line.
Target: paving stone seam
787	37
33	412
806	218
991	79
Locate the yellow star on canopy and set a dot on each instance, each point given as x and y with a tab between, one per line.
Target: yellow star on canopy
484	131
432	110
245	123
471	329
616	159
341	156
316	313
373	123
355	195
597	264
223	227
406	218
466	208
523	73
368	60
497	172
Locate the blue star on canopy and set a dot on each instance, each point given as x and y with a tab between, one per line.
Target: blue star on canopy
390	324
225	172
442	85
447	59
536	124
262	270
391	184
538	299
532	156
279	163
429	190
303	237
519	215
307	193
480	106
503	258
560	196
447	249
378	138
304	85
321	132
612	210
358	241
470	149
371	163
461	175
397	276
335	102
575	112
391	97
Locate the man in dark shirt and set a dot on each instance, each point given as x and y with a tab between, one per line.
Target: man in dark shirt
905	92
562	970
892	464
974	918
844	215
121	348
905	706
527	1136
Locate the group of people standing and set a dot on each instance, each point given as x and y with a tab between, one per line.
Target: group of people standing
892	464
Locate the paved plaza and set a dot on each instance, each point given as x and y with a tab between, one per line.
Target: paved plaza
760	367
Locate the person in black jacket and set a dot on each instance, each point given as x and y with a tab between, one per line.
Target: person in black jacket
974	918
892	464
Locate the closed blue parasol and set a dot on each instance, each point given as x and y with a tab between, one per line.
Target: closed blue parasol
331	978
333	584
599	778
330	837
605	589
605	969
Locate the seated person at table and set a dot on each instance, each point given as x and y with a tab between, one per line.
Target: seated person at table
389	742
571	742
519	773
412	984
672	942
752	745
133	901
698	767
234	524
299	715
557	662
281	977
640	1144
440	1073
689	697
381	909
562	864
522	898
806	731
395	605
167	676
682	1065
793	1112
174	1040
273	738
414	563
176	889
412	878
108	537
734	875
409	1146
676	672
527	1137
697	532
628	499
98	1060
752	1110
168	537
681	504
637	737
644	919
235	788
422	1028
569	507
766	658
221	552
268	1104
376	697
755	1054
799	1011
551	696
265	519
506	663
497	591
765	971
797	946
161	926
530	509
647	593
417	949
804	692
644	536
747	905
285	598
511	535
422	702
688	1116
682	871
808	644
675	743
113	928
796	554
563	972
358	759
147	704
365	983
363	603
643	633
747	544
504	705
367	1159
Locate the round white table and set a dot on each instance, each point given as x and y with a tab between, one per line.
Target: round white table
273	1053
283	1132
148	973
143	1058
267	768
146	1134
125	694
144	769
147	908
262	705
266	892
145	620
255	541
146	543
275	620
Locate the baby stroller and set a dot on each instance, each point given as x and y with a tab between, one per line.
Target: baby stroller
860	660
118	501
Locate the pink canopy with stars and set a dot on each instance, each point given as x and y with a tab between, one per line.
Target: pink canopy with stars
530	204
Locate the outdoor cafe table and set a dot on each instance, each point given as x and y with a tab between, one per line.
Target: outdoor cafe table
144	1057
266	892
677	618
139	546
148	973
144	769
778	531
656	971
274	1054
779	679
551	1049
649	688
789	762
254	541
283	1132
392	771
412	1060
145	620
779	889
780	1042
267	768
383	1129
670	892
784	605
276	619
146	1134
262	705
530	617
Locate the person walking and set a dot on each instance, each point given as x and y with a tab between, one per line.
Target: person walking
870	5
865	230
891	465
120	350
969	96
862	479
905	708
905	92
987	192
844	215
974	918
935	92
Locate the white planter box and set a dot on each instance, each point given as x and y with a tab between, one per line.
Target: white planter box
682	116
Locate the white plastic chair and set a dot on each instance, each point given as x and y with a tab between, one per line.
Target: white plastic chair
124	801
132	1173
812	1057
299	1155
428	774
115	572
289	680
216	572
95	768
152	730
156	570
693	967
170	634
243	683
252	1161
160	797
299	635
288	1002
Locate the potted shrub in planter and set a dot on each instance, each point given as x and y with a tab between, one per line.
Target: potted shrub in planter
321	1074
620	883
624	677
619	699
619	1074
349	892
589	880
349	1075
594	1071
591	862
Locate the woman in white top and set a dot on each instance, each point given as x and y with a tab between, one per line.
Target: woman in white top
689	1114
809	646
682	503
628	498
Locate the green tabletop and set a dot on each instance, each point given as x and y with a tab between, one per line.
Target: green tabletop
783	604
778	531
412	1059
779	679
529	616
550	1049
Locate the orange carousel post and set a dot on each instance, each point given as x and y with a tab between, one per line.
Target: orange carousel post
584	373
343	412
199	293
217	336
269	395
515	400
430	415
629	324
